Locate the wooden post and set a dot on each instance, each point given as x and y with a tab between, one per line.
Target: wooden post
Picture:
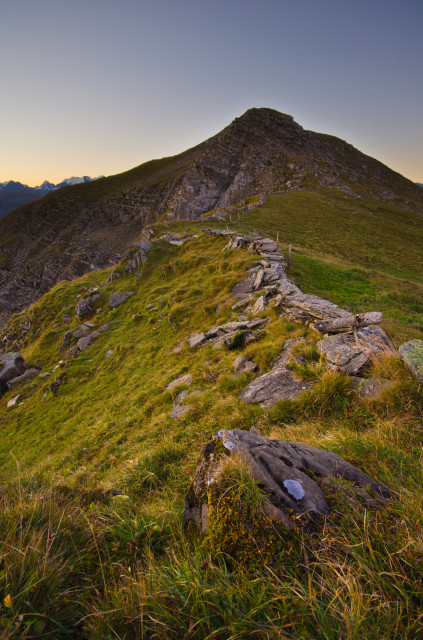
289	256
277	237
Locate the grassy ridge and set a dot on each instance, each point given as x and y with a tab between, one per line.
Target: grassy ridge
79	563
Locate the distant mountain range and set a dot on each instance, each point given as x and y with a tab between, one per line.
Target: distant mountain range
13	194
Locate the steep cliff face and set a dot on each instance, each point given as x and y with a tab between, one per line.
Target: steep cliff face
87	226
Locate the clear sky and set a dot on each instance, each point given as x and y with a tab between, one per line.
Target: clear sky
94	87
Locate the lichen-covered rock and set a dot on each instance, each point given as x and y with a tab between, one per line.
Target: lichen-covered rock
370	387
294	477
412	354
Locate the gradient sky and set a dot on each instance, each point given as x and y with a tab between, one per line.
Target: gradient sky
94	87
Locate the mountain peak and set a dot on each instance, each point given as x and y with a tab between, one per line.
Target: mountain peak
260	152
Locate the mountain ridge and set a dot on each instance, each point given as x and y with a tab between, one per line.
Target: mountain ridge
87	226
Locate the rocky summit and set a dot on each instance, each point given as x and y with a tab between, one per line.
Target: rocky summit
88	226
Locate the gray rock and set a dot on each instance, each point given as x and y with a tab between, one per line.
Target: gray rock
370	387
293	475
374	339
106	326
29	373
178	348
109	353
342	353
84	343
259	279
119	298
79	332
180	410
181	397
67	319
259	305
271	387
412	354
186	379
197	340
242	365
84	308
12	365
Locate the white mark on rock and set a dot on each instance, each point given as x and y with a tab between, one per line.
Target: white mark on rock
294	488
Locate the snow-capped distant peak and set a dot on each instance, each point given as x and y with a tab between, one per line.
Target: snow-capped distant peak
4	184
46	186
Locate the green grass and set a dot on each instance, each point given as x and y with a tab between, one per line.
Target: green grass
79	563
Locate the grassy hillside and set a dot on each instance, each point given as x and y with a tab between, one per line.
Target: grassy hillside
80	563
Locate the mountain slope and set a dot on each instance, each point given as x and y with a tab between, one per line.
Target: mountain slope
91	564
87	226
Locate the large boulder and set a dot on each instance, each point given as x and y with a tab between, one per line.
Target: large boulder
295	478
12	365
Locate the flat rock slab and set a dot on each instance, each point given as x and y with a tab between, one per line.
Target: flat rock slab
412	354
293	475
186	379
271	387
197	340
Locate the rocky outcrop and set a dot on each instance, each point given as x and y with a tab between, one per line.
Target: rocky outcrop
295	478
351	340
231	335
